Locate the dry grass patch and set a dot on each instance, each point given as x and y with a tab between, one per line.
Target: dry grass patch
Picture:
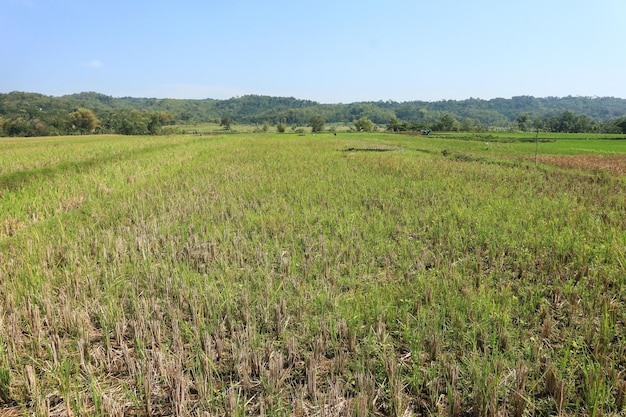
616	164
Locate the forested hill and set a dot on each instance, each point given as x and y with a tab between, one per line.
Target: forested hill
499	112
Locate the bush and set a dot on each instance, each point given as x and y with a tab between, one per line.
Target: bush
364	125
317	123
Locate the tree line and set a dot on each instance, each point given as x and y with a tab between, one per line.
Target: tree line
32	114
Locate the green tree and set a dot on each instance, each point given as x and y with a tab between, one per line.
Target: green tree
39	127
446	123
133	122
226	122
394	124
469	125
165	118
523	121
570	123
18	127
83	120
364	125
621	124
317	123
154	123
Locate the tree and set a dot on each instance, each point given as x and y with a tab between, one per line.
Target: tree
621	124
317	123
154	124
446	123
83	120
570	123
394	124
17	127
523	121
165	118
226	122
133	122
364	125
470	125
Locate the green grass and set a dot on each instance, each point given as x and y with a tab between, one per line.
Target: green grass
278	274
518	144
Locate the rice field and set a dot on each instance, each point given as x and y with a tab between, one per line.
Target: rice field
318	275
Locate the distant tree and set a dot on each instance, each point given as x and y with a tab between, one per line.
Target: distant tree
83	120
566	122
18	127
394	124
23	126
134	122
226	122
317	123
165	118
154	123
364	125
470	125
569	122
621	123
523	121
50	114
39	127
446	123
280	128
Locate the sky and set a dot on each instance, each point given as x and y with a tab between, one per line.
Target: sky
330	51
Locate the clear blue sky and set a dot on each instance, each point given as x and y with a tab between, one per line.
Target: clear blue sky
328	51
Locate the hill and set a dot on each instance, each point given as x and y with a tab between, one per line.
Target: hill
474	113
